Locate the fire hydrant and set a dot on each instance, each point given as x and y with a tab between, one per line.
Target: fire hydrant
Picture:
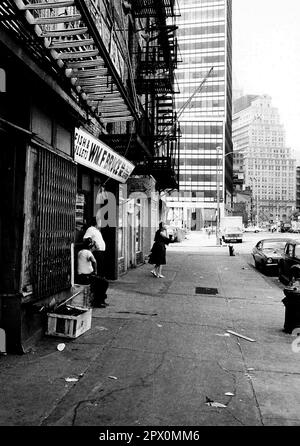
231	250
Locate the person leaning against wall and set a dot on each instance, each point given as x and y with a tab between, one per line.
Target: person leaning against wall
93	232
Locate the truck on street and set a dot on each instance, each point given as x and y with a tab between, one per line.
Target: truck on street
231	229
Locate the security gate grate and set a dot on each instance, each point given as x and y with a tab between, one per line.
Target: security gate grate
212	291
55	224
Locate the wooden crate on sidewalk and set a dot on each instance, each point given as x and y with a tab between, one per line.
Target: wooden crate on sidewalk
69	321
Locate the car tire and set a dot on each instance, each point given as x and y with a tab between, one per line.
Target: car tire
256	264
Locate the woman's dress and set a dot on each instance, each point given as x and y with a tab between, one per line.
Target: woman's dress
158	250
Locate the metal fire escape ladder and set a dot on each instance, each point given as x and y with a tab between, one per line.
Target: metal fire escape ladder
156	77
69	33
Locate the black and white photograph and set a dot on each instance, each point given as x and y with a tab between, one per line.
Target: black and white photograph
150	218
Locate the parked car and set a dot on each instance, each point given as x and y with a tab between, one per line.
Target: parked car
294	230
291	257
285	227
253	229
267	253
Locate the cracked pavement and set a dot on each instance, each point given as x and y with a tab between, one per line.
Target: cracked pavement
154	356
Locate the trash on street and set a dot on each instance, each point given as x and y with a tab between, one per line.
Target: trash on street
71	380
215	404
241	336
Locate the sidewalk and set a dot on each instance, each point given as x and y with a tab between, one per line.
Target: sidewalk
160	349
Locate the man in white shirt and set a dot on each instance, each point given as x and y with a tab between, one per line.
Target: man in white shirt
99	247
87	264
87	273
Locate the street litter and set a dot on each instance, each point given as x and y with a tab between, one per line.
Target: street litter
212	403
240	336
61	347
71	380
244	268
101	328
229	394
159	325
113	377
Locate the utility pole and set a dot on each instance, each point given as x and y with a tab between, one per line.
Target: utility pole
218	199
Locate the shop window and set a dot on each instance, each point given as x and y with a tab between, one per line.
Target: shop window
121	225
138	232
2	81
86	183
80	202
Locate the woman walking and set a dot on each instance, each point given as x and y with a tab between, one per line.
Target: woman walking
158	251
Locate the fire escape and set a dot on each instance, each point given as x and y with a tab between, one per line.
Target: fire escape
155	80
67	38
82	50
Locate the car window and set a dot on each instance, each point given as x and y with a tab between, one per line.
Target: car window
274	244
290	250
297	251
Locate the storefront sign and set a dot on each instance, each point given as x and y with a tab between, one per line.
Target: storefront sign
96	155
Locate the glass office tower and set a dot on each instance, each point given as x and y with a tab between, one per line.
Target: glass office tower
205	43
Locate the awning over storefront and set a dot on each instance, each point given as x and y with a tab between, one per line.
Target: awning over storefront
93	153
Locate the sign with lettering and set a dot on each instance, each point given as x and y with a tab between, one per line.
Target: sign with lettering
96	155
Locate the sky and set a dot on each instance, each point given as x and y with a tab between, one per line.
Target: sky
266	57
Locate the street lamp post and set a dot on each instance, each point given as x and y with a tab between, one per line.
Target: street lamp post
218	149
256	199
218	199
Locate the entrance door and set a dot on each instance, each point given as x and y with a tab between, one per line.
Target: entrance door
130	236
12	174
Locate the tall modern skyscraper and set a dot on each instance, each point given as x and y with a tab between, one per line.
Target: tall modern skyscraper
269	168
205	43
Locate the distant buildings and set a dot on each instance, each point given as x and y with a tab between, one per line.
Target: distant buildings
269	169
298	189
204	35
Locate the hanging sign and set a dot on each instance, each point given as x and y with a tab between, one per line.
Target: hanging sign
96	155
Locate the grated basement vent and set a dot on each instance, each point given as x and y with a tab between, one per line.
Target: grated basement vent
212	291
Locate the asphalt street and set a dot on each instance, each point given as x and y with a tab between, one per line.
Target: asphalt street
161	353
